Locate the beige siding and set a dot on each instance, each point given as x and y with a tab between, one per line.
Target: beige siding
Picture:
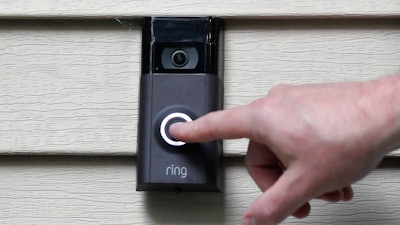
225	8
71	87
88	190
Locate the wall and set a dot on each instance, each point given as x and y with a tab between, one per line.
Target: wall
69	86
101	190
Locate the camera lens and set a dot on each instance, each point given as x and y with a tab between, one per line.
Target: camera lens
179	58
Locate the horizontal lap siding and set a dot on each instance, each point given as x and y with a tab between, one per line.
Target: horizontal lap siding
90	190
225	8
71	87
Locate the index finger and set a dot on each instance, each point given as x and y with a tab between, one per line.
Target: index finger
224	124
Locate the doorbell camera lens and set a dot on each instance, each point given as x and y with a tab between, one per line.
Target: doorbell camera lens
179	58
182	58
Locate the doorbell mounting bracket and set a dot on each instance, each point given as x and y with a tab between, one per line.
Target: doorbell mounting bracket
181	80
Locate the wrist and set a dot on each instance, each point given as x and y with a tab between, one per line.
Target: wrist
384	107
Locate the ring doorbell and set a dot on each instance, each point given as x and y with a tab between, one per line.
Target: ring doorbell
181	80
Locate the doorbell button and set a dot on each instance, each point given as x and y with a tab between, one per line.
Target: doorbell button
167	122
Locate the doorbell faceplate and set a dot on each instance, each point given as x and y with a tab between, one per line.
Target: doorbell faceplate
181	80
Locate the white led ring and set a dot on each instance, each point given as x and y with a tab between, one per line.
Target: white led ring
164	124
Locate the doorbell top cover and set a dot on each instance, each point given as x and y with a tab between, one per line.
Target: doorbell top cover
181	45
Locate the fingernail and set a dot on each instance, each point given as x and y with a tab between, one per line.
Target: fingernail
250	221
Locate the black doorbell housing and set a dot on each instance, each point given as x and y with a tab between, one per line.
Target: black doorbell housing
181	80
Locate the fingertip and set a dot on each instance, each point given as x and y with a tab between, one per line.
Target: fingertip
289	195
345	194
249	221
348	193
271	215
334	196
265	211
303	211
174	128
177	130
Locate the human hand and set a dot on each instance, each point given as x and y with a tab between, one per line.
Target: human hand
307	141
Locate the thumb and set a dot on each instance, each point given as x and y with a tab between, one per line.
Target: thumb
282	199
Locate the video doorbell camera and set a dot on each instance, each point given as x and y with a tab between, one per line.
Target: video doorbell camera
181	80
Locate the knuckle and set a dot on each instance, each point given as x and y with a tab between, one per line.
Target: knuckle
272	215
279	88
